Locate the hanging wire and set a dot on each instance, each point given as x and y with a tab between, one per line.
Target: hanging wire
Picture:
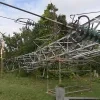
28	22
80	30
21	22
35	14
72	16
85	13
8	18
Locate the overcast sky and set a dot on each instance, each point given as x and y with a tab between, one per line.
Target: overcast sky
66	7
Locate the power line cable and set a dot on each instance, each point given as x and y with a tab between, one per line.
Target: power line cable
85	13
35	14
8	18
15	20
28	22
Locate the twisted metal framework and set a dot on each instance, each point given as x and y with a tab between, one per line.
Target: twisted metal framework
65	48
74	48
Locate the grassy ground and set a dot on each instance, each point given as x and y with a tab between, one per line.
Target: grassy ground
19	88
15	88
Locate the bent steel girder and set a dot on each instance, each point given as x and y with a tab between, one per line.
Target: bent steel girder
62	48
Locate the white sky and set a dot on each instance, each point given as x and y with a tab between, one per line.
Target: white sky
66	7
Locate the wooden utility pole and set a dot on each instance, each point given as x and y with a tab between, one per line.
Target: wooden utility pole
2	48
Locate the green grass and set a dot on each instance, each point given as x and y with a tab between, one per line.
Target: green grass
28	88
18	88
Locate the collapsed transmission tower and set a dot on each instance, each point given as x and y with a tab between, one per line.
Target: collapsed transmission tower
71	46
80	43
